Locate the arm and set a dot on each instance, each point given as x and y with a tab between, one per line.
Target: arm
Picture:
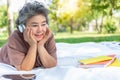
30	58
45	57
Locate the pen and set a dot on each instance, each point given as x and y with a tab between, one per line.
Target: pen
111	61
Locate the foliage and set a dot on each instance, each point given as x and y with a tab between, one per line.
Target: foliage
110	27
3	38
53	16
71	15
3	16
103	8
65	13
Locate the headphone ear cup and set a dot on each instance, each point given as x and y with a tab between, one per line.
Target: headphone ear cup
21	28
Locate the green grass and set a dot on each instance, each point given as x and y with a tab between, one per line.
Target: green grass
3	38
86	37
76	37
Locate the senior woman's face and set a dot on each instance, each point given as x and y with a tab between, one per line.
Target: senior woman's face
38	26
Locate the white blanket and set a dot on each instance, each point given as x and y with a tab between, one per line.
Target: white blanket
67	67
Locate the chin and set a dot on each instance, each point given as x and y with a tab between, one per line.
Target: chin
39	39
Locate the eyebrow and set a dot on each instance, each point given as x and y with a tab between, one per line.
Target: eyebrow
44	21
34	23
37	22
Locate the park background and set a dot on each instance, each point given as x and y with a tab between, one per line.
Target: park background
71	21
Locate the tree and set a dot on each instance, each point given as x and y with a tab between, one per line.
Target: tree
99	10
103	8
54	19
10	17
71	10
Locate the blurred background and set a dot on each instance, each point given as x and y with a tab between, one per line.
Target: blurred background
71	21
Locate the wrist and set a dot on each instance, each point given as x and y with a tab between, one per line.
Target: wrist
34	46
40	46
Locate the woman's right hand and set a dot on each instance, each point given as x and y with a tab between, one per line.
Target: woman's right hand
28	36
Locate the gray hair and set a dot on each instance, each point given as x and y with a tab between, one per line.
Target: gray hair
31	9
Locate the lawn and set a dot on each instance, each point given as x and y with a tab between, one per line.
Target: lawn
76	37
3	38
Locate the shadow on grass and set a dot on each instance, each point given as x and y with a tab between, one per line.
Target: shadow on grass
88	39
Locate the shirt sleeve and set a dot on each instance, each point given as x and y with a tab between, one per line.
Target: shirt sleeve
15	49
51	46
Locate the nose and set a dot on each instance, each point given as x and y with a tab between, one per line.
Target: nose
39	29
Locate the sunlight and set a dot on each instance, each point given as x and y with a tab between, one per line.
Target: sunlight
16	5
68	6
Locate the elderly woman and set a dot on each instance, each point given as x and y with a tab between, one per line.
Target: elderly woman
34	45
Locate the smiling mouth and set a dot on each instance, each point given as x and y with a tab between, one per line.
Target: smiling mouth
39	36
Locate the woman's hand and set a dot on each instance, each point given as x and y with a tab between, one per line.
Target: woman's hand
29	37
45	38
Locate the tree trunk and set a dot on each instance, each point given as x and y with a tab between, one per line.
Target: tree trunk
10	17
101	25
71	25
96	25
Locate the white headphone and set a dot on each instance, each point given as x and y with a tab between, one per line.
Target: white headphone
21	27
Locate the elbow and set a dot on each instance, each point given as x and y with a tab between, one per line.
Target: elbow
20	68
51	65
55	64
26	69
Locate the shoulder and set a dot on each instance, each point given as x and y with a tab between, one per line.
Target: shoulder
16	42
15	38
16	35
51	38
50	42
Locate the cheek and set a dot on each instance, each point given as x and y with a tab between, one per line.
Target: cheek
33	30
44	29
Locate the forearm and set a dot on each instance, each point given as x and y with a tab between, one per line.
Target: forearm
46	59
29	60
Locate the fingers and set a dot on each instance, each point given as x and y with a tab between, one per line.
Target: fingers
31	35
28	35
48	32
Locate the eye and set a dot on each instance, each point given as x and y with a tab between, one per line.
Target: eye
44	24
34	25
